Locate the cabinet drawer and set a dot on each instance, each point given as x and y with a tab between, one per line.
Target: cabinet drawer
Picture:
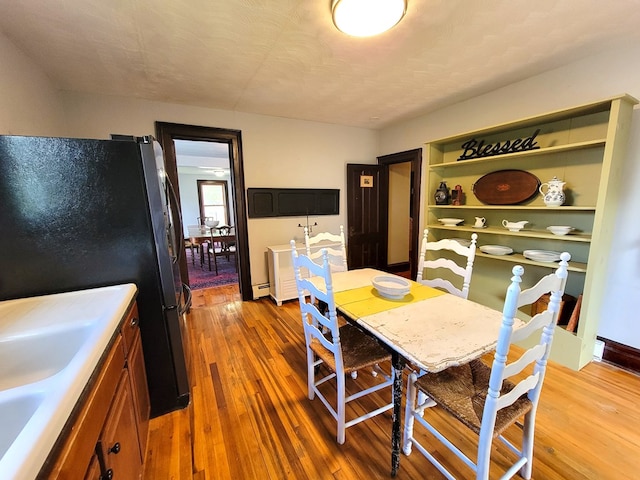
130	327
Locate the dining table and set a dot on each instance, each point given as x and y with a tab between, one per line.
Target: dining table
204	234
428	329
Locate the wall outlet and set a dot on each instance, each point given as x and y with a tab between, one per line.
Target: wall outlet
598	350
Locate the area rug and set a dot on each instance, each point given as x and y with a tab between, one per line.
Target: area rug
201	277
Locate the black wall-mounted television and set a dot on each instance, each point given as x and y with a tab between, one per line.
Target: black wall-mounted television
292	202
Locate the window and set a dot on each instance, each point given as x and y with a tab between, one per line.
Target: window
213	198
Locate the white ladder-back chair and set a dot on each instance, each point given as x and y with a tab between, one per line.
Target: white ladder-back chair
463	271
486	399
337	255
338	352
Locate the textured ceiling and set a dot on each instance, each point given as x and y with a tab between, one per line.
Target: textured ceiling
285	58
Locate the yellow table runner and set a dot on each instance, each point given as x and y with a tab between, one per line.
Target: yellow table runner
363	301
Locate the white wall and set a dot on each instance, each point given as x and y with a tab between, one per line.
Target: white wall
277	152
584	81
29	103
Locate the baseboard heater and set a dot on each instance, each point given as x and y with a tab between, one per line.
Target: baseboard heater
260	290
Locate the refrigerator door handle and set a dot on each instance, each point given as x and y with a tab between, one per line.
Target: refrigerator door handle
173	204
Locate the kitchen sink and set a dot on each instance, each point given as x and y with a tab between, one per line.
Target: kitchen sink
34	357
49	349
15	413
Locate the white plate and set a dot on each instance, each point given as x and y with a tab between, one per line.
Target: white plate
391	286
496	249
451	222
542	255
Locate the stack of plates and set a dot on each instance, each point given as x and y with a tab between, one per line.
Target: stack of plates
542	255
390	286
496	249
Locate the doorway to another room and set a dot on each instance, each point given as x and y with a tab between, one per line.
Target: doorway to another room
196	202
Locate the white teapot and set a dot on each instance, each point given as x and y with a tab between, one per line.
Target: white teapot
554	196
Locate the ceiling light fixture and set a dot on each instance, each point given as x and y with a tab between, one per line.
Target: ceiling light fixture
365	18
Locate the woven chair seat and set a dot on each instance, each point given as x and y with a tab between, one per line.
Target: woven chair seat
462	391
359	350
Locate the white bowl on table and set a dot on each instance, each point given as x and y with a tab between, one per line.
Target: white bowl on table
391	286
450	222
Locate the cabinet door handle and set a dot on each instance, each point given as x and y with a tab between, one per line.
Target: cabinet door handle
115	449
108	475
134	321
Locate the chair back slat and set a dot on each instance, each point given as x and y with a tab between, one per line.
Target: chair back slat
446	263
444	285
520	389
337	254
537	322
534	353
462	271
549	283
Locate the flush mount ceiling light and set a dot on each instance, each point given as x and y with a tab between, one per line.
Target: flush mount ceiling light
364	18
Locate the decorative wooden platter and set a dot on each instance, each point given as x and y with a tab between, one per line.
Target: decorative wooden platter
506	187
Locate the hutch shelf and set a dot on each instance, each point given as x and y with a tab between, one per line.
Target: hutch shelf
585	147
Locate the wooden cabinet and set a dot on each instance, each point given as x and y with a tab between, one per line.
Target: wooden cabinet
282	281
118	447
583	146
137	377
107	434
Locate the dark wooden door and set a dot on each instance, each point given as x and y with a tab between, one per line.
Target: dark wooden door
367	214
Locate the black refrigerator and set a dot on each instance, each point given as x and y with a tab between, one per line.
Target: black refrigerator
84	213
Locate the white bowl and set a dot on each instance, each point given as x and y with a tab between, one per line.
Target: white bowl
211	223
559	229
391	286
496	250
451	222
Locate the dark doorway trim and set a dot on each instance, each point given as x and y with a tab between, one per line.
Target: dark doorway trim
166	133
415	157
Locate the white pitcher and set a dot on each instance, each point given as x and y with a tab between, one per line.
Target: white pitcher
479	222
554	196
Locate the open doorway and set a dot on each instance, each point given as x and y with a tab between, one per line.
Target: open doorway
403	208
168	134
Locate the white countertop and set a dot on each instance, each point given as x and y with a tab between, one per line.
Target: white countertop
49	348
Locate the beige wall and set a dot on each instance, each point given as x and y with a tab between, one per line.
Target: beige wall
29	104
591	79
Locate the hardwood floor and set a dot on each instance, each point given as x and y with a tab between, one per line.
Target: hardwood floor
250	417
